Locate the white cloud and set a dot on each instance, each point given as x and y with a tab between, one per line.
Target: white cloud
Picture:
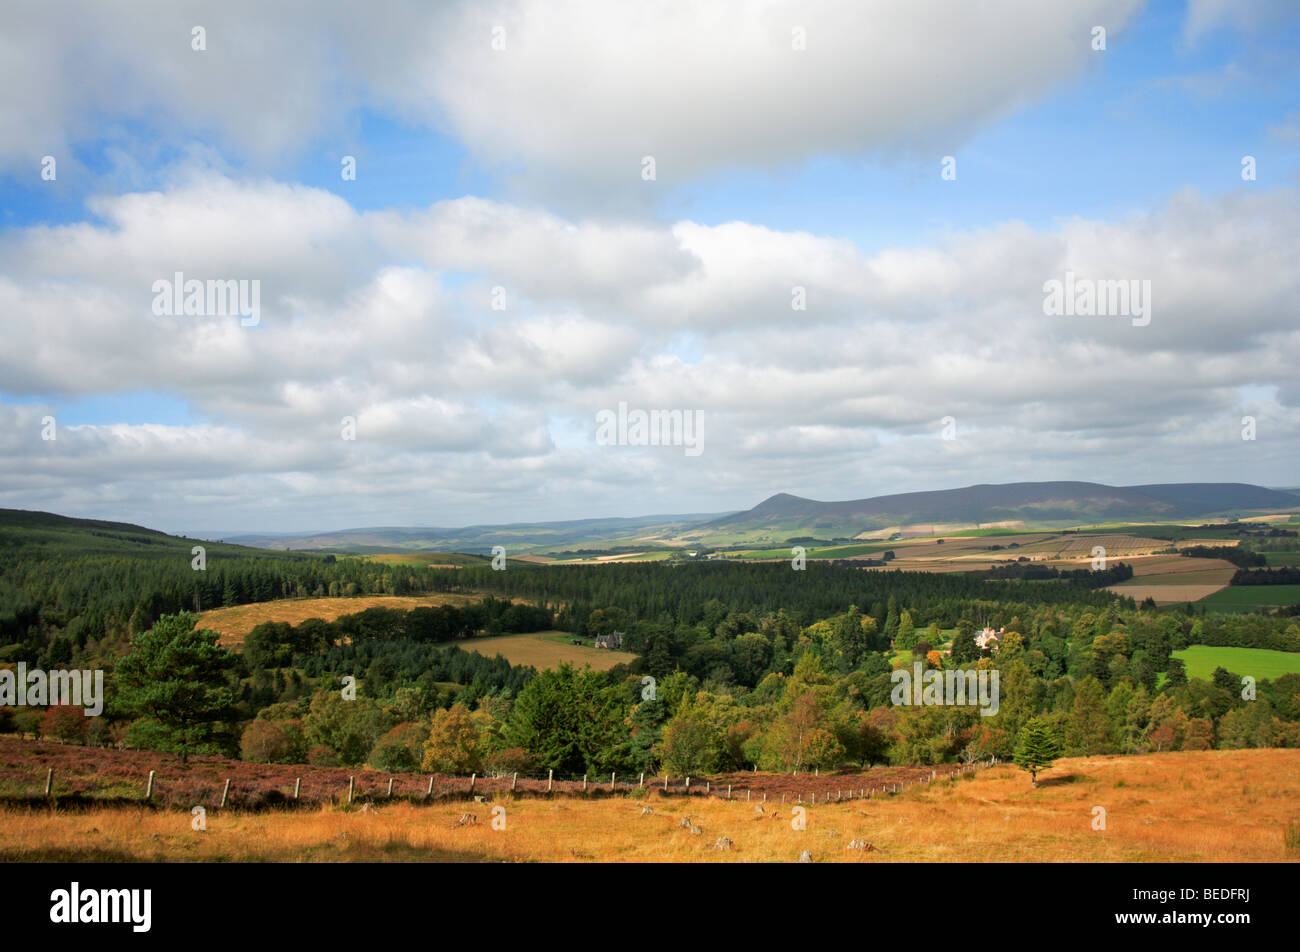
582	91
467	414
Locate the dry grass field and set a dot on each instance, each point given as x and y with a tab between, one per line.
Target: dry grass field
234	623
1211	806
546	649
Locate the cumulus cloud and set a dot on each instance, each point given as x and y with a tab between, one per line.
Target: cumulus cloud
465	413
578	92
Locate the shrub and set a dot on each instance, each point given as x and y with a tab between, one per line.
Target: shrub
400	750
65	722
100	732
272	742
322	756
27	720
512	760
454	743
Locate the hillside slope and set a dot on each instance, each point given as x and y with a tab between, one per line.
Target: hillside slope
1034	504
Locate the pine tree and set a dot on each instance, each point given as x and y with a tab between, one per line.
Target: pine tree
1090	730
1036	749
175	679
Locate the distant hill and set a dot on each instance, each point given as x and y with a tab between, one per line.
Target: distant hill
1033	504
782	516
517	537
33	531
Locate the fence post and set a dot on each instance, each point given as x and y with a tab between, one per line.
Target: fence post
49	781
728	791
641	783
430	793
707	784
472	778
611	782
225	792
514	782
297	787
148	790
550	777
584	783
350	782
688	786
749	795
390	786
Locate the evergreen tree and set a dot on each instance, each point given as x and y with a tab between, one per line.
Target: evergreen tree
1177	673
1036	748
1089	730
175	679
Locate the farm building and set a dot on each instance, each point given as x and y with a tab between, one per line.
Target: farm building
613	641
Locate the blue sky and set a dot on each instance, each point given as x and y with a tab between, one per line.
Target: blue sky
518	169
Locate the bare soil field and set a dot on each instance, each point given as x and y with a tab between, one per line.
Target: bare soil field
1175	579
1163	594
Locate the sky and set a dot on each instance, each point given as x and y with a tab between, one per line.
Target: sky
823	232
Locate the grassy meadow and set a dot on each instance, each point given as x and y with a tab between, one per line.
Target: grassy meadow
234	623
1209	806
1259	663
547	649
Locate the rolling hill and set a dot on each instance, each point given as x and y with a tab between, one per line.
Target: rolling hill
1055	504
1029	505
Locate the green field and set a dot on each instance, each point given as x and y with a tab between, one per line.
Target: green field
1282	558
1259	663
1249	598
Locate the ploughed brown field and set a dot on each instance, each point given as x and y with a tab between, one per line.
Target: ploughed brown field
1172	579
1220	806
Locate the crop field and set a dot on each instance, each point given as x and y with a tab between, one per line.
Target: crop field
1282	558
1175	579
434	560
1209	806
547	649
1249	598
234	623
1259	663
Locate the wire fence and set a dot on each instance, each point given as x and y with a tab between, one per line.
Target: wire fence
282	785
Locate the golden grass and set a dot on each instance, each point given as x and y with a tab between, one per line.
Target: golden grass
1211	806
541	650
234	623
